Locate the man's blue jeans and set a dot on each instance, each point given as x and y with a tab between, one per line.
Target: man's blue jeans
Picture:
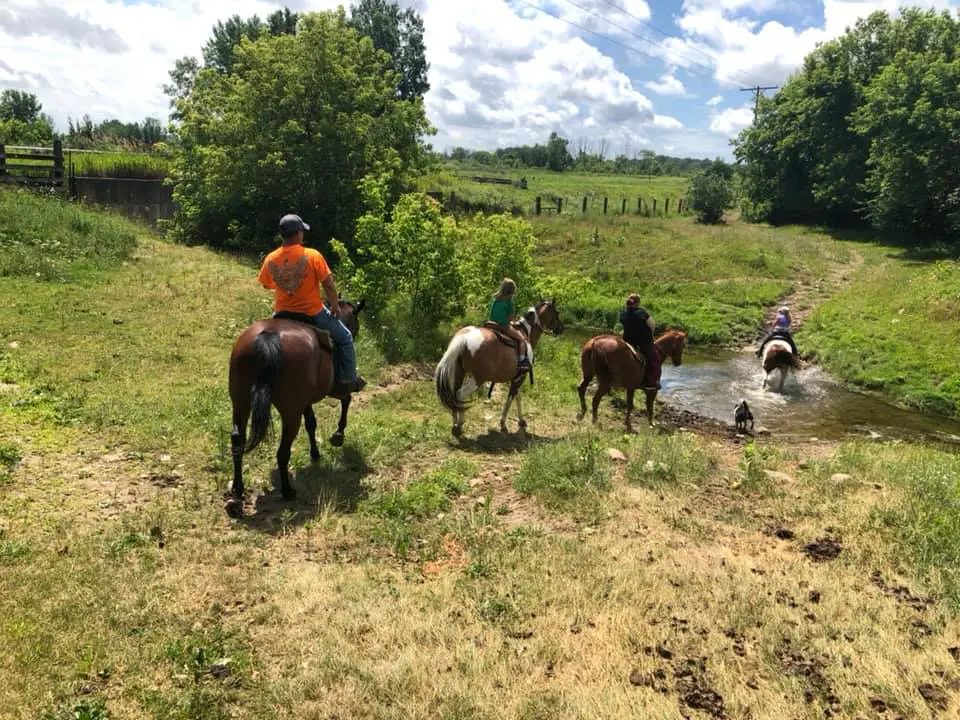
345	357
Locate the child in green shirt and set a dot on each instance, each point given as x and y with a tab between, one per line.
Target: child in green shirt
501	313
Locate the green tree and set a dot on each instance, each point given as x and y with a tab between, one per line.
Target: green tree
866	130
409	269
558	158
399	33
219	52
494	247
19	105
295	127
710	195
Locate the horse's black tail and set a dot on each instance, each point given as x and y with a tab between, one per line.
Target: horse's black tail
268	355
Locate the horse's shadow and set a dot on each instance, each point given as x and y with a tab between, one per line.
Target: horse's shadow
494	442
330	485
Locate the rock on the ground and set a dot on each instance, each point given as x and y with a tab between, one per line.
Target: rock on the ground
616	455
778	476
840	478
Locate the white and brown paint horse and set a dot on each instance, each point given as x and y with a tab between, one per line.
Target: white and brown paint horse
476	356
777	355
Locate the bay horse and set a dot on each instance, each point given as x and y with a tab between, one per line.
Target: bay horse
615	364
476	356
777	355
281	363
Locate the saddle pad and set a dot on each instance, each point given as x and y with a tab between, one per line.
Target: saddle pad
323	337
501	336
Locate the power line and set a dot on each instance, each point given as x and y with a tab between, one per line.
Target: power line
710	57
641	37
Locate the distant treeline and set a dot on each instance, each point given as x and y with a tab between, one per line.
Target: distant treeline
551	157
85	134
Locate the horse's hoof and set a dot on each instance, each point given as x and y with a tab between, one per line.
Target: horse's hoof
504	430
456	431
580	417
288	493
234	508
522	424
336	440
315	455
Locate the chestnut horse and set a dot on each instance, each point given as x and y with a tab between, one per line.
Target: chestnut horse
475	356
616	364
778	355
281	363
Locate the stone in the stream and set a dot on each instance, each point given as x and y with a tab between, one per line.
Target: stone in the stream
840	478
616	455
778	476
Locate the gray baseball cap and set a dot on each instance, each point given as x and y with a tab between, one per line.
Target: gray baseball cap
289	224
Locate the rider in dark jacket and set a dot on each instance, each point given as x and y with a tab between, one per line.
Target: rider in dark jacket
638	329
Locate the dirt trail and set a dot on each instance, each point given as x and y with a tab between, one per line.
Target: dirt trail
809	293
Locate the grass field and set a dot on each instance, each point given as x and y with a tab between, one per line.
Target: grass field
497	578
714	281
897	330
571	187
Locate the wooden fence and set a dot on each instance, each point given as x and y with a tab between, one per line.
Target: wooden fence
571	206
32	166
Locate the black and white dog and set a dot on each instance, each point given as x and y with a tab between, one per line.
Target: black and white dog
741	414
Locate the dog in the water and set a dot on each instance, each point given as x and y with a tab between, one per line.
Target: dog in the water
741	413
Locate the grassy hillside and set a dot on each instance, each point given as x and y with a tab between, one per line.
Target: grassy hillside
714	281
897	329
500	577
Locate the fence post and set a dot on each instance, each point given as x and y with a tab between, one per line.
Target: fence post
666	207
623	207
536	206
3	160
584	205
654	207
605	206
639	206
452	202
58	161
559	206
680	206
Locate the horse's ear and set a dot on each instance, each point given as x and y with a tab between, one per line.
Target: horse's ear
553	301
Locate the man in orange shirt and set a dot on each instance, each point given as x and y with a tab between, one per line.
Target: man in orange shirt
296	273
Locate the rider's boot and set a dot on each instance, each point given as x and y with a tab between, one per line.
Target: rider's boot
346	388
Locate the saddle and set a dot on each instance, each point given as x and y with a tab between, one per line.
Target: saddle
323	337
501	335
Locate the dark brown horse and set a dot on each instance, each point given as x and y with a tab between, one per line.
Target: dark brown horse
615	364
283	364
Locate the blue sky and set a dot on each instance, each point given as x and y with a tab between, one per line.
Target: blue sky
660	75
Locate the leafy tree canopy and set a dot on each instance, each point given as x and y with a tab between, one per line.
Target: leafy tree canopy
868	130
294	127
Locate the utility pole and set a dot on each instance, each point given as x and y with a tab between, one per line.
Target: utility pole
756	90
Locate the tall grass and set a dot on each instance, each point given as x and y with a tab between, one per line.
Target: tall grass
144	166
47	237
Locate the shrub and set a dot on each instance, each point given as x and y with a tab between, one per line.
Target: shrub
710	194
407	270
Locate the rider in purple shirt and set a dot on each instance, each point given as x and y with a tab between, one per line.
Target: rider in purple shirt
781	331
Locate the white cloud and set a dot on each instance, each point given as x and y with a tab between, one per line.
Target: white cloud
714	101
668	84
731	121
666	122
